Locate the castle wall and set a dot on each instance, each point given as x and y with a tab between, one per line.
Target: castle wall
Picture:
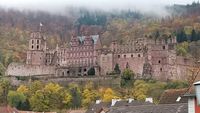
16	69
106	63
133	61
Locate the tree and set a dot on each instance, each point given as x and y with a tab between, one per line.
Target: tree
109	95
39	102
35	86
16	98
89	94
182	49
181	36
75	92
67	99
140	90
53	92
91	71
127	78
23	89
4	88
116	69
193	36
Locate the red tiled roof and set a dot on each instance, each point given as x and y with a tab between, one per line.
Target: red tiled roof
7	109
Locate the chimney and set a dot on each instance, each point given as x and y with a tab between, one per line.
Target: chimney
149	100
114	101
130	100
98	101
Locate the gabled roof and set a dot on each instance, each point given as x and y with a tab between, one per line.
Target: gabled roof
94	38
161	108
170	96
96	108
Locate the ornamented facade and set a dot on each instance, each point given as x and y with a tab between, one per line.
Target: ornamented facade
147	57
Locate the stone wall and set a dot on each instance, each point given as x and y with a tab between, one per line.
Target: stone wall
16	69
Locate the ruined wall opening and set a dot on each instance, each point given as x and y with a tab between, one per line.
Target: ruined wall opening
118	56
163	47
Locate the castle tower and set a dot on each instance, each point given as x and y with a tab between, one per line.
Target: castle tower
37	48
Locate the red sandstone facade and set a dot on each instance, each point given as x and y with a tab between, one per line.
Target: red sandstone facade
145	56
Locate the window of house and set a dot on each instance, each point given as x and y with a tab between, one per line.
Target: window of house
159	61
124	56
32	41
32	47
118	56
67	72
163	47
138	55
161	69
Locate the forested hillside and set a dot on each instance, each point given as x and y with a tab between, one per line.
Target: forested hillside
15	28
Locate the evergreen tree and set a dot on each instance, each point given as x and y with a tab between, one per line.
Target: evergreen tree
193	36
116	69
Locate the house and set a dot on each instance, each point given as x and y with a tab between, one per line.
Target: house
107	107
172	96
192	95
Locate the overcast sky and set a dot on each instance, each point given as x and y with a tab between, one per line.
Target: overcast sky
60	5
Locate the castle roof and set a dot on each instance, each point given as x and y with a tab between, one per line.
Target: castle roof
94	38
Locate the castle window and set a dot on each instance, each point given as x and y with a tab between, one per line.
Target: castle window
37	46
138	55
163	47
124	56
132	55
37	41
85	70
118	56
159	61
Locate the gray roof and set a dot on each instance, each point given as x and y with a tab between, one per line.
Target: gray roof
161	108
94	38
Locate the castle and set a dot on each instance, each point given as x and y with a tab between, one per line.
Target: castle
147	57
